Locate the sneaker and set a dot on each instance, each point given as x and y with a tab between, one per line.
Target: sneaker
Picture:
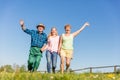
67	70
53	69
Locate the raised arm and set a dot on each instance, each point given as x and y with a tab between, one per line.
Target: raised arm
22	24
28	31
78	31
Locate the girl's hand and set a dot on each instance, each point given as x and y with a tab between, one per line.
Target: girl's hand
58	52
41	50
87	24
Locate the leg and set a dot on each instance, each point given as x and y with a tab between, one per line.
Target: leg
68	63
69	54
31	61
62	59
48	57
62	64
37	62
54	61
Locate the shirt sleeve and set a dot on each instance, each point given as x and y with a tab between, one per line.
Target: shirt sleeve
28	31
46	40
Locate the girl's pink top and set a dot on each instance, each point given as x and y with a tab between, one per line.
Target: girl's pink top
53	44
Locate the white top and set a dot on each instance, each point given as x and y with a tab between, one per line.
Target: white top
53	44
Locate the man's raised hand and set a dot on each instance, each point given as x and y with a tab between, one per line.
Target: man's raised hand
21	23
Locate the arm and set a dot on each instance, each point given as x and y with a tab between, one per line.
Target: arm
77	32
60	44
24	28
45	45
43	48
22	25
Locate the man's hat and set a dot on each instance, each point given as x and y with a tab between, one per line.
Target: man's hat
41	25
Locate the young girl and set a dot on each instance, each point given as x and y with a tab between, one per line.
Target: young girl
66	45
52	50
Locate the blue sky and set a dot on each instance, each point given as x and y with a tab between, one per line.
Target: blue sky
97	45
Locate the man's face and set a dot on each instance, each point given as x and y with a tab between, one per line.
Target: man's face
40	29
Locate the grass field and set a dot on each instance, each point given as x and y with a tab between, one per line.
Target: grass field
57	76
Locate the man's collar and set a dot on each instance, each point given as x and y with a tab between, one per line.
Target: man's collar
39	32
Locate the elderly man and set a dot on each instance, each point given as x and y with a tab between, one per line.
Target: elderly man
38	39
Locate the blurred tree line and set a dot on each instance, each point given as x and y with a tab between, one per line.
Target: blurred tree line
14	68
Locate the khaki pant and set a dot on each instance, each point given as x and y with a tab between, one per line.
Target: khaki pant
66	53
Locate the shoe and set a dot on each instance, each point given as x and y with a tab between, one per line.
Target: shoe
67	70
53	69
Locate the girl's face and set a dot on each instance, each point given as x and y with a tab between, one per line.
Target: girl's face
67	30
53	31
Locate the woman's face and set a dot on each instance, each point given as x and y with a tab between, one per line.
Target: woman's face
53	31
67	30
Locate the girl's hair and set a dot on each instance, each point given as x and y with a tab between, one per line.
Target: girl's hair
67	25
50	34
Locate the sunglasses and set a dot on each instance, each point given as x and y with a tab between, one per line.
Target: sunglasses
67	30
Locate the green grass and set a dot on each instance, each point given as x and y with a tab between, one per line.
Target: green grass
57	76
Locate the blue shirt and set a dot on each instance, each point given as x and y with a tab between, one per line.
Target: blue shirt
37	39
